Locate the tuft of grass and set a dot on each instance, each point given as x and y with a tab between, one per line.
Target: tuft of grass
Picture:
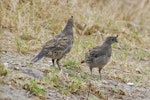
140	53
73	87
3	71
26	36
71	64
55	80
34	88
118	91
22	46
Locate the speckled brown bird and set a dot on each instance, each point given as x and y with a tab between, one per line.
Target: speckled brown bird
59	46
100	55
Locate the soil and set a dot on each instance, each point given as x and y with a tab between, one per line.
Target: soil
114	89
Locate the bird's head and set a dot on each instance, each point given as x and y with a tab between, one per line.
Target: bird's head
68	29
111	39
70	22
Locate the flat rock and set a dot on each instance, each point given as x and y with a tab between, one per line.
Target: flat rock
32	72
6	93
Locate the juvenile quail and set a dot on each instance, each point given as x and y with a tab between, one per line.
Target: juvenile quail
100	55
59	46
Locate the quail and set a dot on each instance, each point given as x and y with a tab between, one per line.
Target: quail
59	46
100	55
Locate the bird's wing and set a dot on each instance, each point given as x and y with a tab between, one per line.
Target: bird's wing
57	44
96	52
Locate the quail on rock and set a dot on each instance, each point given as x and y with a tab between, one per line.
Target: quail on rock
59	46
100	55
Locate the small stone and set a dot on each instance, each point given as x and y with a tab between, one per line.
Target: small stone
129	83
104	82
6	65
16	68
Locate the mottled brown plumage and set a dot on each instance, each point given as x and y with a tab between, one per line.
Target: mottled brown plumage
59	46
100	55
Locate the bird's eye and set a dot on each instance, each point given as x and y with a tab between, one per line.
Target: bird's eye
112	39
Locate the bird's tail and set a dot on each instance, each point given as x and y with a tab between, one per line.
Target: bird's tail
82	61
39	56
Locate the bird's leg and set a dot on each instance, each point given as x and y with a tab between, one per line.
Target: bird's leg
100	73
91	70
57	61
53	61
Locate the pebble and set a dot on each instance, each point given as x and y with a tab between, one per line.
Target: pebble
129	83
6	65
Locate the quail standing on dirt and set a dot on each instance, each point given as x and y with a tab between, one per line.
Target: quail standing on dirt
100	55
59	46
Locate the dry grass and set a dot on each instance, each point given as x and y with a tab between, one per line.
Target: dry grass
27	24
33	22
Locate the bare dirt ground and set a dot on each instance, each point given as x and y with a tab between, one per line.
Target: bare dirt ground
113	88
